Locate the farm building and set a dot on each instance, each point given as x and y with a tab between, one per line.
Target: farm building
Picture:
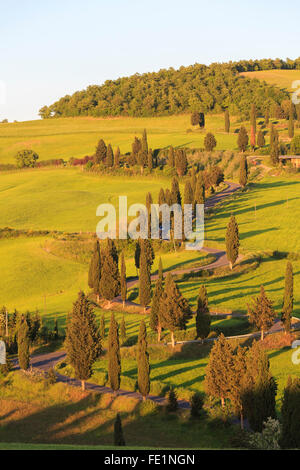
294	159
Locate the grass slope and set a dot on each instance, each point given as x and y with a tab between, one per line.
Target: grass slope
280	78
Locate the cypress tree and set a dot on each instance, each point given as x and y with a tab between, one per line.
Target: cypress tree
101	151
202	120
290	413
227	121
137	255
175	192
150	161
119	440
203	318
143	365
109	161
193	179
172	404
95	269
174	308
219	369
168	197
188	193
261	139
23	344
150	254
145	279
123	331
109	285
102	327
243	171
253	118
253	138
149	202
55	330
291	121
145	142
117	158
123	280
267	117
232	241
259	397
181	163
197	403
155	321
171	157
195	118
261	312
209	142
83	342
288	299
114	358
236	381
243	139
274	146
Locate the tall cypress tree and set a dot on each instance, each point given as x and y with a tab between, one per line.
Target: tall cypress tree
114	357
227	121
101	151
193	179
149	202
137	255
290	412
261	312
243	139
150	161
232	241
171	157
117	158
181	162
83	342
274	146
199	195
174	308
109	285
219	369
123	331
288	299
155	320
119	440
23	344
203	319
123	280
261	139
102	327
95	269
175	192
267	117
291	121
145	142
243	171
145	279
143	365
109	161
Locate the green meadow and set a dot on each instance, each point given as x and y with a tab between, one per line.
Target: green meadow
77	137
280	78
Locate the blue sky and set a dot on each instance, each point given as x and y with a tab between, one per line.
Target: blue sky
50	48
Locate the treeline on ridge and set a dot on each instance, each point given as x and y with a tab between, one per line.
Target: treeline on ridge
210	88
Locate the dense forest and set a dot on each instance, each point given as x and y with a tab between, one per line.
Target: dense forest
197	87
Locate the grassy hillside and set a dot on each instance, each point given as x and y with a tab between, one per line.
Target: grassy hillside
280	78
77	137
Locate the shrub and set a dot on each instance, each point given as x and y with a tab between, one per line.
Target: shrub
196	405
268	439
26	158
148	407
172	404
51	377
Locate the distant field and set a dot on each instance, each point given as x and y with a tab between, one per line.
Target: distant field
77	137
281	78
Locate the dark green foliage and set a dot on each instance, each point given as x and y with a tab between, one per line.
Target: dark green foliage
227	121
145	142
172	403
119	440
123	280
199	194
95	269
290	413
150	161
101	151
288	299
109	285
171	157
23	344
181	163
261	139
114	358
149	202
169	92
83	342
26	158
117	158
209	142
261	312
196	405
175	311
109	161
243	171
188	193
243	139
203	319
145	277
55	331
143	362
259	395
202	120
195	118
137	254
232	241
274	146
175	192
51	376
155	321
